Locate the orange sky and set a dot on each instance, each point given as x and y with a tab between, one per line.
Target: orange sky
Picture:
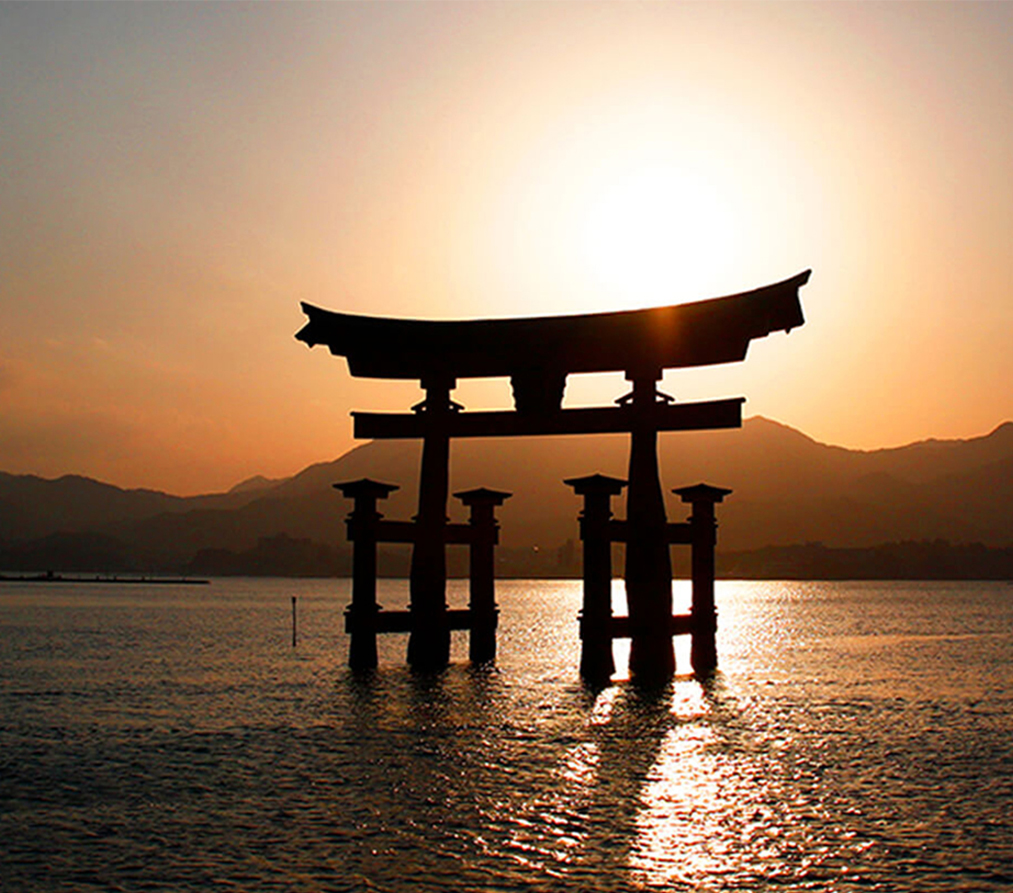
177	177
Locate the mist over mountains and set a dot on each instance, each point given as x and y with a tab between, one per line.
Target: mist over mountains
789	490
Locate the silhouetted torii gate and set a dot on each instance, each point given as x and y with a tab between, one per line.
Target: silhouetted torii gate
538	354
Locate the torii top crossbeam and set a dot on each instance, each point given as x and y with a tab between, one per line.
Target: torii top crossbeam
697	334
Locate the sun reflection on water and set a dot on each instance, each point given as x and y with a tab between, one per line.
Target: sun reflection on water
679	822
717	809
604	704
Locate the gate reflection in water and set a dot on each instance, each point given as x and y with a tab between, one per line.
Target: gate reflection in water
858	735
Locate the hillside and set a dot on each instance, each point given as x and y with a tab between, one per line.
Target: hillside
788	489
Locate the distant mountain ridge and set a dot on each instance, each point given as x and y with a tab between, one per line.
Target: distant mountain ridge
31	506
788	490
257	483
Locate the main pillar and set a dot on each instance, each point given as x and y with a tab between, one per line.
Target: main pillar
648	563
360	618
484	615
429	642
596	661
703	533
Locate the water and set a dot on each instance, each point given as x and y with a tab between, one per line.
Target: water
859	737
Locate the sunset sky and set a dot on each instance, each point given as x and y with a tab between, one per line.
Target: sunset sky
176	178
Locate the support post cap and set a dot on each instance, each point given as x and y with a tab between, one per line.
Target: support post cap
483	496
596	483
701	493
365	487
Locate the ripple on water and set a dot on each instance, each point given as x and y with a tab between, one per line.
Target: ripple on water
857	739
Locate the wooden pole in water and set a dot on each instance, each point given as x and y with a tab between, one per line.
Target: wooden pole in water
596	662
360	617
484	532
702	498
293	622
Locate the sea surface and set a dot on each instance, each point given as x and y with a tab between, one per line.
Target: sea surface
859	736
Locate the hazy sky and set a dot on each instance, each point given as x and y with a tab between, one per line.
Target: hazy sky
176	178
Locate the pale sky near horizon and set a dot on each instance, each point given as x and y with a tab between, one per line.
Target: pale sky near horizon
176	178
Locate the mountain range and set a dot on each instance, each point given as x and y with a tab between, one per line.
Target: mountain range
788	490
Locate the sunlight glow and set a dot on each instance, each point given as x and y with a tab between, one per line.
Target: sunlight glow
651	227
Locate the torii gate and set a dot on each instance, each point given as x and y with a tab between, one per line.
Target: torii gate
537	354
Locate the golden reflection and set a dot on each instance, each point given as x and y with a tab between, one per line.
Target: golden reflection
580	764
604	704
680	833
689	700
678	827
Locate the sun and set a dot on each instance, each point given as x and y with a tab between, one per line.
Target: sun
652	234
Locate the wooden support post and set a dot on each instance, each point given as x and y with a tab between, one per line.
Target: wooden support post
704	619
596	662
648	563
482	571
362	523
429	641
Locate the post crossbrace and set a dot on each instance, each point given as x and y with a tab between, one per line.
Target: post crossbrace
384	621
681	625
